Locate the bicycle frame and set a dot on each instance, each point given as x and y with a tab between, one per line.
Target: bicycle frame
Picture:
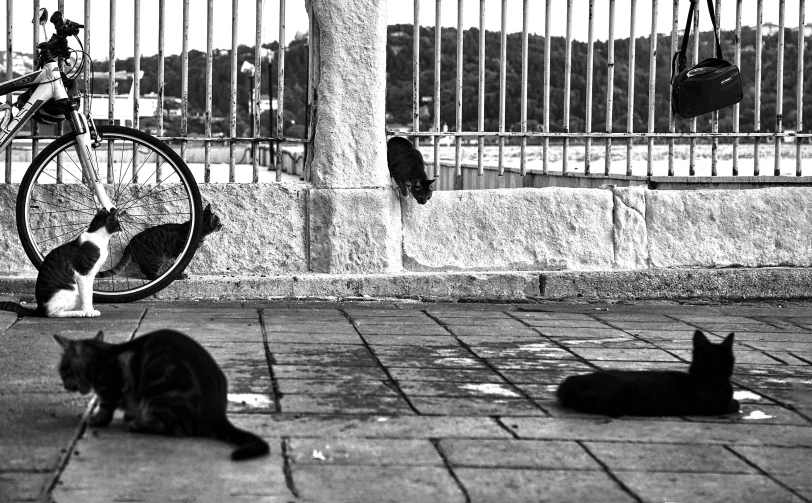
48	82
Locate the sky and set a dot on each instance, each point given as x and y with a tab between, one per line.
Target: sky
398	11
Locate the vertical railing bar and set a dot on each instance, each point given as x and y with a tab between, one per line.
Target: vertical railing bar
523	111
694	61
136	62
308	148
280	91
799	96
567	86
161	76
610	84
757	94
481	90
715	113
34	125
416	73
589	70
458	93
630	87
136	85
437	60
523	100
502	86
161	64
736	107
256	93
779	91
209	62
184	80
232	124
652	70
111	91
672	119
87	75
547	41
60	126
9	73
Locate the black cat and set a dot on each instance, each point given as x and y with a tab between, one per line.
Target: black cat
165	382
156	248
704	391
407	168
65	279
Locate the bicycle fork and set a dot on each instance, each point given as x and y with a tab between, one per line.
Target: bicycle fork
86	141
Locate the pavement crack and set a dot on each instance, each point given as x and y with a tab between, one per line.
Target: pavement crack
277	395
287	468
764	472
436	443
609	472
394	383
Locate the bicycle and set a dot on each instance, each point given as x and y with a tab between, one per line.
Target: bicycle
62	188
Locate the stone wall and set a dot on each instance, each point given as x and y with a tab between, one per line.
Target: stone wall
290	229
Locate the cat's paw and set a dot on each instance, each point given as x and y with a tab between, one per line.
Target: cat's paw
92	313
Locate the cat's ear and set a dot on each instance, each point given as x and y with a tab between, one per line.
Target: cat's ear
63	341
728	342
431	182
700	339
207	209
100	336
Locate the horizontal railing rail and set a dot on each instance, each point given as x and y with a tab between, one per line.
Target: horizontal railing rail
254	141
656	63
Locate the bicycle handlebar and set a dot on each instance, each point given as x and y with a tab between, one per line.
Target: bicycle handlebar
57	45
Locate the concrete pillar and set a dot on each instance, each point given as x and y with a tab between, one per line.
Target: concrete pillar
354	222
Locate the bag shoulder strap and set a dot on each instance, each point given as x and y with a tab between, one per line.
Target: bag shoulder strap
681	54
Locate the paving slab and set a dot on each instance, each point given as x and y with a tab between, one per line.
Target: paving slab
522	485
706	487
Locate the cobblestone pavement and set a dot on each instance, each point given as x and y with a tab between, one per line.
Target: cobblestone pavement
413	402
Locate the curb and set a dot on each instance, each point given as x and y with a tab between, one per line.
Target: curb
526	286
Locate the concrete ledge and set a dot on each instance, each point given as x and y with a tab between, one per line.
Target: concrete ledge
728	284
526	286
423	286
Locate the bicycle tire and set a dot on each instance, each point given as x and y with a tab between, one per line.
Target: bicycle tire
47	204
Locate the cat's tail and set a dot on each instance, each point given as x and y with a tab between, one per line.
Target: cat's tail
249	445
124	262
20	309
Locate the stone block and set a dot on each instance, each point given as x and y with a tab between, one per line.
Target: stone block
718	228
354	231
13	260
510	229
630	234
263	230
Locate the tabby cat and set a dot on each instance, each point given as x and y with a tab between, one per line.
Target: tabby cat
407	168
65	279
704	391
165	383
156	248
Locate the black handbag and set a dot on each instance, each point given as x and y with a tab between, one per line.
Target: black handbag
711	85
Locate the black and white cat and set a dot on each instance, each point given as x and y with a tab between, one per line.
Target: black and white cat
156	248
165	382
407	168
704	391
65	280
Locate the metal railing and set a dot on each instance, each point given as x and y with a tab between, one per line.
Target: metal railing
587	136
256	140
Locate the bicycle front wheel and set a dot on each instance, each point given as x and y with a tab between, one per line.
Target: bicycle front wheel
147	182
